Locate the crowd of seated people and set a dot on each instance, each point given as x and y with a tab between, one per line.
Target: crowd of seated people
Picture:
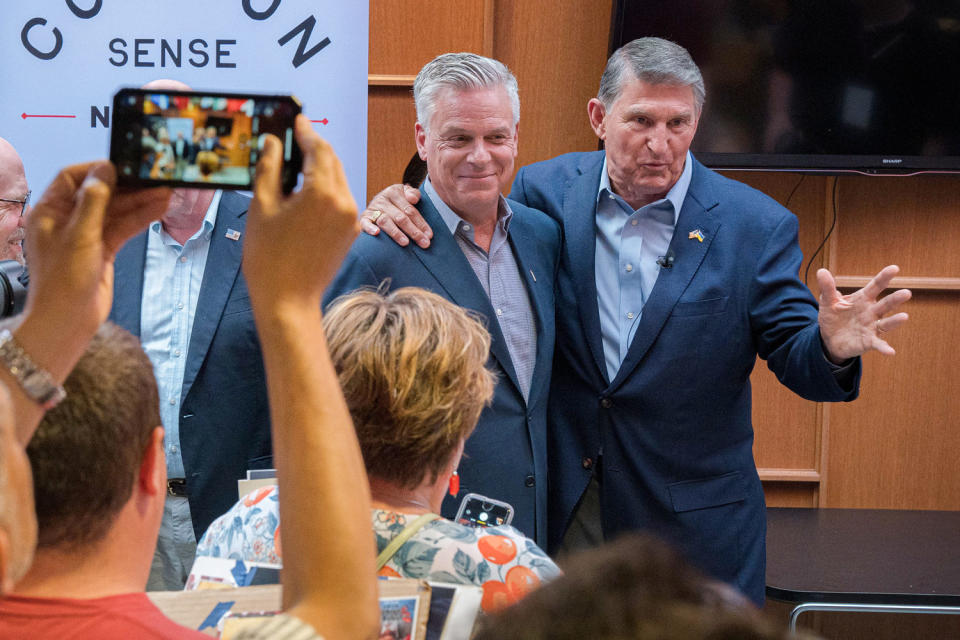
400	376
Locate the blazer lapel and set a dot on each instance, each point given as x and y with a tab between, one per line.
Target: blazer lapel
219	275
671	283
580	244
128	283
446	262
527	252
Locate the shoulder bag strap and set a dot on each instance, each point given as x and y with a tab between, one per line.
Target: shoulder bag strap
402	537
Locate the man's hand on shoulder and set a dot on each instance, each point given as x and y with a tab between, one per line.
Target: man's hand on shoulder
393	212
853	324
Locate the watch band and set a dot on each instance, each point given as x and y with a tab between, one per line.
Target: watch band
36	382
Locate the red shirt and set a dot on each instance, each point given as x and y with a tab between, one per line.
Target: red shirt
122	617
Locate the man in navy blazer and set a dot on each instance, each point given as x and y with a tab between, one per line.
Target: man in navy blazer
491	255
673	279
217	408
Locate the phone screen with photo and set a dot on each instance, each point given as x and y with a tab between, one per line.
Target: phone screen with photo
199	139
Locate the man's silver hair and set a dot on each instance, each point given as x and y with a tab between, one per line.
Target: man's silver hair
652	60
461	72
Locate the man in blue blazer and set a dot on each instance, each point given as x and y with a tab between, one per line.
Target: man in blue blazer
672	280
209	371
491	255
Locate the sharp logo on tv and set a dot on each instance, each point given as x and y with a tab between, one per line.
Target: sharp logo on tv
892	161
71	56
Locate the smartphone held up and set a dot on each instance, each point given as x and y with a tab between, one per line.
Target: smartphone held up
199	139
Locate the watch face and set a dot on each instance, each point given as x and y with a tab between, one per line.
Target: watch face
35	385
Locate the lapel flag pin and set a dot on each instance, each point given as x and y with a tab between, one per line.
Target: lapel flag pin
696	233
233	234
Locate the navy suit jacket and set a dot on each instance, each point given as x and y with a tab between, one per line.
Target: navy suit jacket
505	457
674	425
224	415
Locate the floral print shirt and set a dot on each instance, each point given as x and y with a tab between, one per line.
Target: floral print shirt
501	560
250	531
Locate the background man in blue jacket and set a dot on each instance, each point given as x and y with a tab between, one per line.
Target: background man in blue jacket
179	288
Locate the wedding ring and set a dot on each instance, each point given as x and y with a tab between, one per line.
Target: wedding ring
375	215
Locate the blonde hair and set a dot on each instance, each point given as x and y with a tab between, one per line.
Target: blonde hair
412	366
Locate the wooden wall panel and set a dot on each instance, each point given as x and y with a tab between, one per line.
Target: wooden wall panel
406	34
787	426
909	221
897	446
557	62
557	50
790	494
390	142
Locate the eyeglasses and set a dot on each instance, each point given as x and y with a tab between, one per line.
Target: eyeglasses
23	203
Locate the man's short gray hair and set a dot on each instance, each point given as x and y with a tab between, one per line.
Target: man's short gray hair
652	60
461	72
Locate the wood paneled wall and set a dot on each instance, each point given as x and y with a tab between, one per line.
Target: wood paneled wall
556	49
897	446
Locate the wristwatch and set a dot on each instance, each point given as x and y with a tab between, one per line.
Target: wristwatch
36	382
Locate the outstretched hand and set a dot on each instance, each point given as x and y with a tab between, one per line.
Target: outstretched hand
392	211
853	324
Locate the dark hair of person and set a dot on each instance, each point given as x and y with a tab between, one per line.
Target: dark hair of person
636	588
87	451
415	172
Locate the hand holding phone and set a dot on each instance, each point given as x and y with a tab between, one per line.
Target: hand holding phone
199	139
480	511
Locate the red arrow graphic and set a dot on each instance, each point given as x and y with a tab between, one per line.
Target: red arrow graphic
324	121
35	115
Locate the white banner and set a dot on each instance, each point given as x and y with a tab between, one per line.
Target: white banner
62	60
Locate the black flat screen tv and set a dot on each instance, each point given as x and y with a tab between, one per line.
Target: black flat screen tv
817	85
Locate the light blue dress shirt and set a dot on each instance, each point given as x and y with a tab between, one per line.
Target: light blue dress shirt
172	276
499	274
629	243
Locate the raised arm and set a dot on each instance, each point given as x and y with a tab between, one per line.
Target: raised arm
392	212
73	234
328	577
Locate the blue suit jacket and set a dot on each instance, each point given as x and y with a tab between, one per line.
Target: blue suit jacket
224	415
674	425
505	457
